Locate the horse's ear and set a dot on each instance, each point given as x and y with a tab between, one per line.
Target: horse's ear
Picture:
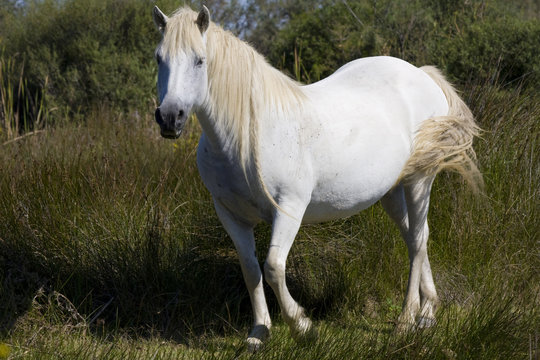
203	20
160	19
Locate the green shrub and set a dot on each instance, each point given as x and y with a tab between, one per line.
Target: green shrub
468	39
508	44
76	54
81	54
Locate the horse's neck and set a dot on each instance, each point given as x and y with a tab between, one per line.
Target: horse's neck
219	143
243	91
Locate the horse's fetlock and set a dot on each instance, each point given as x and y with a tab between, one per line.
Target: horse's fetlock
257	336
303	330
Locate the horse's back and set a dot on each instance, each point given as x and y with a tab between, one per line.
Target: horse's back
379	85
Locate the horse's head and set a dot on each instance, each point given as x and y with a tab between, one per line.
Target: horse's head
182	75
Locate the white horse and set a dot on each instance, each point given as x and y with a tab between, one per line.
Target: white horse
272	150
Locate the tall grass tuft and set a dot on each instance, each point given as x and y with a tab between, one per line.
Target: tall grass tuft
20	110
9	93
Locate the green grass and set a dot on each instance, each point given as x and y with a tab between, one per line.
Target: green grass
110	248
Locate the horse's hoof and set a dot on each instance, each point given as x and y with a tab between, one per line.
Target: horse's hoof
254	344
305	331
256	337
424	322
311	335
404	326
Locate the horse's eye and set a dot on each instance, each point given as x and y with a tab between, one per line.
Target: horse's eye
200	61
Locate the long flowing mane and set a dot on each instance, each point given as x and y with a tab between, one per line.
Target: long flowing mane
243	88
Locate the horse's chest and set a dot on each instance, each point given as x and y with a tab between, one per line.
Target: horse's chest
227	184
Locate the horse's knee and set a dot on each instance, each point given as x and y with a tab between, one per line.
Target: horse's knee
274	272
252	273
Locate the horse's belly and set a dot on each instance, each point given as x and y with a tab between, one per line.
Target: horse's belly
357	173
321	212
349	193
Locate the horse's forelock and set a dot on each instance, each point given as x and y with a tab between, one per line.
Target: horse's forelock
182	34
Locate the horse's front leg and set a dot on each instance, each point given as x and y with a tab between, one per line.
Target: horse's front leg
242	235
284	230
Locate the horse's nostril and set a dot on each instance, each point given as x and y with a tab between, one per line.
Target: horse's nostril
181	114
159	119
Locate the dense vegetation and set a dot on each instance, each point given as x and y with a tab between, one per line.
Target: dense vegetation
109	245
73	55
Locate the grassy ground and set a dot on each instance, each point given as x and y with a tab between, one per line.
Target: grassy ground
110	248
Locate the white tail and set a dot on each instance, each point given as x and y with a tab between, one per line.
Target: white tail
445	142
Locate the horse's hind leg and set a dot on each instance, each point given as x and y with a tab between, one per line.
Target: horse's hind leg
408	206
421	296
395	206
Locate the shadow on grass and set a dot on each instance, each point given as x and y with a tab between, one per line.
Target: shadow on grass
199	293
19	286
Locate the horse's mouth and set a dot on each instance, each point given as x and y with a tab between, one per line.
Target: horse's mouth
171	134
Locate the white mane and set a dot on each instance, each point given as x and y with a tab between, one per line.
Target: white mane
243	87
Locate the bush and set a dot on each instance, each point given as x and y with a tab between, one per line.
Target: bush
509	44
74	55
82	54
468	39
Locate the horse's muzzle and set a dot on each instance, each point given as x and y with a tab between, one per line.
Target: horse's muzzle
171	122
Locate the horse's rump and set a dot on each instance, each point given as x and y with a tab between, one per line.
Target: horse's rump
445	142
